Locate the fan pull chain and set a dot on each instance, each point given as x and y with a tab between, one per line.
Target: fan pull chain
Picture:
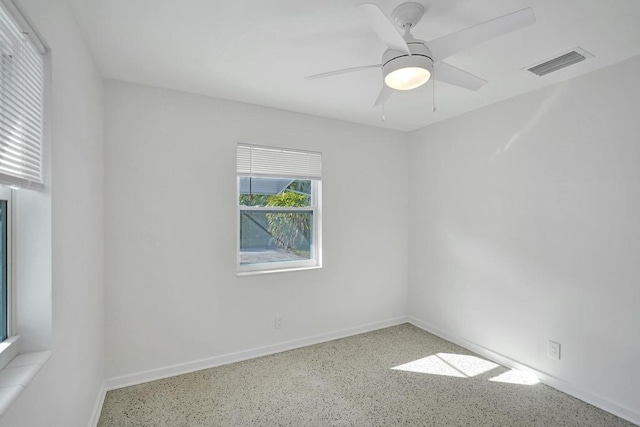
433	93
383	118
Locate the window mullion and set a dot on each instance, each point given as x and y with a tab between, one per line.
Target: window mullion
276	208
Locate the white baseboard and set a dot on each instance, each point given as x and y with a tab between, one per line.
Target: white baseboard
550	380
224	359
97	408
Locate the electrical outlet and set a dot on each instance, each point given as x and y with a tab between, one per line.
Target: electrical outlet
554	350
278	322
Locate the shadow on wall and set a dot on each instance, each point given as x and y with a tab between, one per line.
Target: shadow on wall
542	110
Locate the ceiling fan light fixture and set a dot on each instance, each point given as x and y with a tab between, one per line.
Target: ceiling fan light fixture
405	72
407	78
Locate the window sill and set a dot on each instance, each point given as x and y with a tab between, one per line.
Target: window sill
8	350
17	374
281	270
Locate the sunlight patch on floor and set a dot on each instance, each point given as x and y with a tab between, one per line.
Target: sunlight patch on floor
464	366
516	377
452	365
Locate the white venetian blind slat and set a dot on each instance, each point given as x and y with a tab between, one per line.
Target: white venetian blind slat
257	160
21	101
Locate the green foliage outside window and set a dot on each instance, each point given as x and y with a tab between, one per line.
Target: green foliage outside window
290	230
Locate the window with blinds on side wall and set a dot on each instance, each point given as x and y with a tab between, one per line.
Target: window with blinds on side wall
279	216
21	137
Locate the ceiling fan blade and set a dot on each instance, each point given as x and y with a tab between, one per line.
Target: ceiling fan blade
343	71
383	27
453	43
384	95
446	73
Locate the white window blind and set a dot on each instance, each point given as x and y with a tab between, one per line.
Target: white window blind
255	160
21	101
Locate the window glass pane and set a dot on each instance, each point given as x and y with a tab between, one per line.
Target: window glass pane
275	236
256	191
3	270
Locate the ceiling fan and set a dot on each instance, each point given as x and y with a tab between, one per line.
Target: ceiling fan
409	63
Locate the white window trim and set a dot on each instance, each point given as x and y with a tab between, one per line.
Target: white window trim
9	347
315	261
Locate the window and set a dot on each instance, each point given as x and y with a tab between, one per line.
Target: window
21	135
279	218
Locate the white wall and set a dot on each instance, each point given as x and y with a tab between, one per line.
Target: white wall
524	228
522	223
70	212
172	295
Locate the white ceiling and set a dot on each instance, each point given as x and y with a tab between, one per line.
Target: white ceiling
258	51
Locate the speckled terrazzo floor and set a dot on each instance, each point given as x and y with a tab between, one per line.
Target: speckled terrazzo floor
350	382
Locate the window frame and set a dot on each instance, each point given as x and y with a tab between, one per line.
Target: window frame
315	259
9	346
6	194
